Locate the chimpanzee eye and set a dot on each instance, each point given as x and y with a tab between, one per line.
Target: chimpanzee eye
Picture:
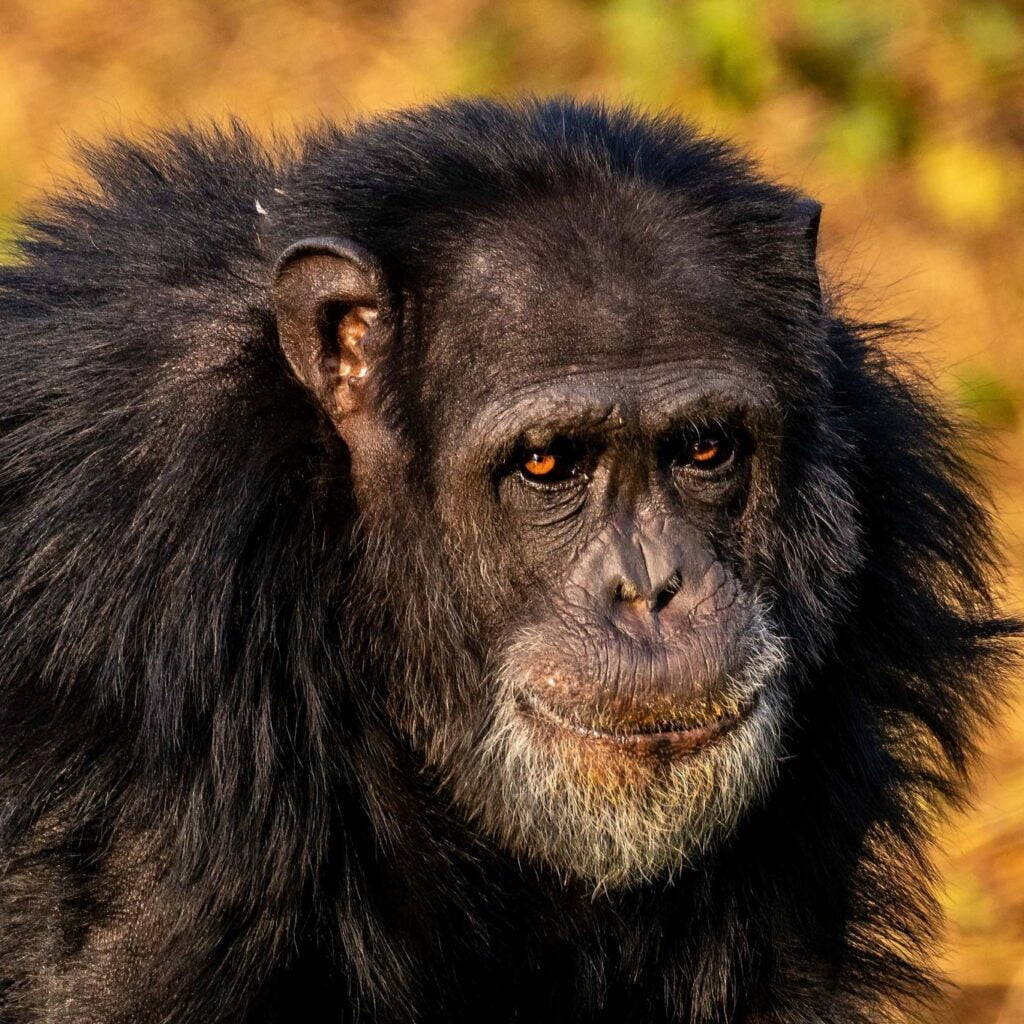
706	448
552	465
540	464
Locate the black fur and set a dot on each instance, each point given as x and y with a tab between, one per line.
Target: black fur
207	817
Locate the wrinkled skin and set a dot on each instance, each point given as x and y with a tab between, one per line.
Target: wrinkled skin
627	703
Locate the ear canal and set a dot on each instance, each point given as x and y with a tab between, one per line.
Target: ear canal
327	298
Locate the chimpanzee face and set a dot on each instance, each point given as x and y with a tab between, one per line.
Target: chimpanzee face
594	454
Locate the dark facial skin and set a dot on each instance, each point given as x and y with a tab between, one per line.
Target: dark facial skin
599	439
624	559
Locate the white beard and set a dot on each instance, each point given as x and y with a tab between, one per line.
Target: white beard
595	812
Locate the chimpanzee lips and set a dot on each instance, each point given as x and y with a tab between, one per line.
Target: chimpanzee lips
688	731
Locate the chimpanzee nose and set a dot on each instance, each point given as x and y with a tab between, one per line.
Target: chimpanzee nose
649	577
654	597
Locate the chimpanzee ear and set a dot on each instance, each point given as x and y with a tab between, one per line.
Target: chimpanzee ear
327	295
805	217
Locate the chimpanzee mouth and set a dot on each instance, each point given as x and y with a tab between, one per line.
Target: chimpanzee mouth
690	732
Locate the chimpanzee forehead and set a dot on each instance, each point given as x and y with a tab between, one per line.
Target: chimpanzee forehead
582	289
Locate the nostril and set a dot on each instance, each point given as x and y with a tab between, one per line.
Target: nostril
627	592
654	599
666	591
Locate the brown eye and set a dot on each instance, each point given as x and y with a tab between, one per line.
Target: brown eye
711	448
706	450
540	464
558	462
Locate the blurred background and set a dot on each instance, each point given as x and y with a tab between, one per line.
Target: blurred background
906	117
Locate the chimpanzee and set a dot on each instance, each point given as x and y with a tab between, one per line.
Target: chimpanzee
464	567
